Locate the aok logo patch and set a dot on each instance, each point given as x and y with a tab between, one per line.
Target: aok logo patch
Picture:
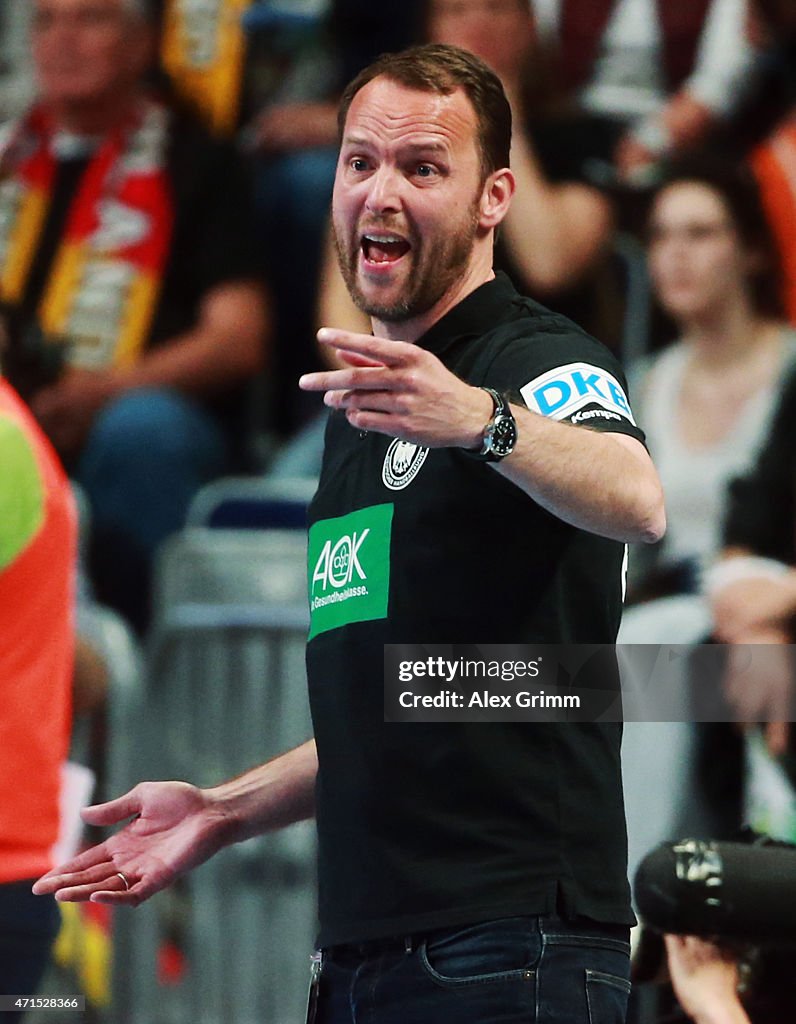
349	568
560	393
402	464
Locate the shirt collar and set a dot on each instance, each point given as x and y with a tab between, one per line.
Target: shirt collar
477	313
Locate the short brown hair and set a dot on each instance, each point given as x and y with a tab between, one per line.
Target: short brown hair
442	69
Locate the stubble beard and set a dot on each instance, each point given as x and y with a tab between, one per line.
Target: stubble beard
433	273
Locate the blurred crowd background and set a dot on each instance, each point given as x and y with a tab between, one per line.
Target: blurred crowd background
165	261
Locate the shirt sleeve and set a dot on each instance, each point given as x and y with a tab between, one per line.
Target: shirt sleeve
21	492
574	379
761	510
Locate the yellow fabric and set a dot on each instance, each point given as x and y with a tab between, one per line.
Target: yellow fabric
203	55
22	243
84	946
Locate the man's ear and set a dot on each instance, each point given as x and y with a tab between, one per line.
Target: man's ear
496	197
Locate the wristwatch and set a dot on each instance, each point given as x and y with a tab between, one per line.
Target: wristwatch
500	433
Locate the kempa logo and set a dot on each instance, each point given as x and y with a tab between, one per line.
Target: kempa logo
337	565
591	414
402	464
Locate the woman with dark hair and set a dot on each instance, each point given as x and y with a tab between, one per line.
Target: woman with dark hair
705	402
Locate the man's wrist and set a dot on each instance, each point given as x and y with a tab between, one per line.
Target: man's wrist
483	409
224	822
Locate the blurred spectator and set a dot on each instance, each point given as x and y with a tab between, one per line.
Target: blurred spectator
705	402
38	539
660	73
127	283
753	600
753	587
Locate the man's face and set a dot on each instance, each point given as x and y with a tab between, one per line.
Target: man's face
85	50
406	198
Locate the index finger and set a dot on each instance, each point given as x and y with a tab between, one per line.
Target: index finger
384	351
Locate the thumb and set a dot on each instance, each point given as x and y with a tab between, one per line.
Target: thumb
109	813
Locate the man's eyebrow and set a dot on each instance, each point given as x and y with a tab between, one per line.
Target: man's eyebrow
427	147
430	146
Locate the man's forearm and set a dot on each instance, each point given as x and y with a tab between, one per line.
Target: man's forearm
594	481
603	483
269	797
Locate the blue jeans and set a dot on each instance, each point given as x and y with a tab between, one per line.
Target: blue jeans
519	970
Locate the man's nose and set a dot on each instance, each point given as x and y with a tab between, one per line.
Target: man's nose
384	194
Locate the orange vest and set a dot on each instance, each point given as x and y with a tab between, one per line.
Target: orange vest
36	665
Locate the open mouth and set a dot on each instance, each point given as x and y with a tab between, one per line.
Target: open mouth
383	249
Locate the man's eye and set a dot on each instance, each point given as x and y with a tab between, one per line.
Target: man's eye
357	163
425	171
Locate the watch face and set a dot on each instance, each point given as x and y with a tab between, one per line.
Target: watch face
504	435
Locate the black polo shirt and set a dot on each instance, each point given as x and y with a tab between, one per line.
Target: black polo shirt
429	825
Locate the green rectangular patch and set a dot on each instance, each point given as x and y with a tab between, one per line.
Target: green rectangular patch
349	568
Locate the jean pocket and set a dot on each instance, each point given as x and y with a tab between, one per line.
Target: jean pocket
494	952
606	997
